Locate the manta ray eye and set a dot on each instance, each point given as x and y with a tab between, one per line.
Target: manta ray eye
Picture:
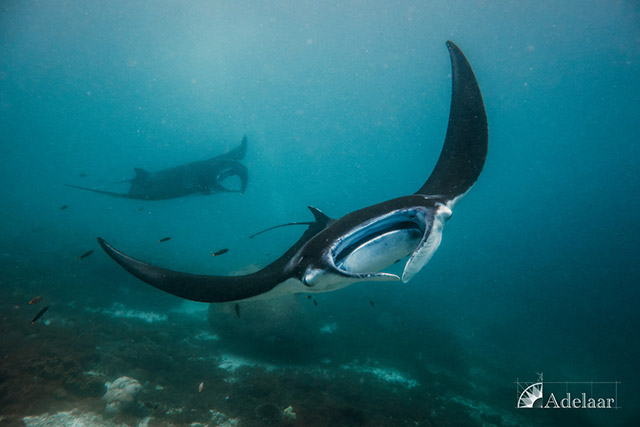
311	276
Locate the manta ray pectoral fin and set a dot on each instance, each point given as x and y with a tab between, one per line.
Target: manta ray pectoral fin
461	160
237	153
428	245
206	288
141	174
196	287
466	143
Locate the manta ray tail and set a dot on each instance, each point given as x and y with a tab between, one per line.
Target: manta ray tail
465	147
95	190
278	226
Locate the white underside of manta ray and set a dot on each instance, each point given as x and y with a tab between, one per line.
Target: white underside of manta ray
334	253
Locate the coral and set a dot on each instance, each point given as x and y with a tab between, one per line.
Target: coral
69	418
121	395
222	420
289	414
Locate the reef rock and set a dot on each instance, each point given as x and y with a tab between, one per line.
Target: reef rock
279	329
121	395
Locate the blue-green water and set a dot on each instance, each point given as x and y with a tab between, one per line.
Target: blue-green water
344	104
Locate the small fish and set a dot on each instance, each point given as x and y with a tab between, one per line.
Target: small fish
220	252
237	310
308	296
164	239
315	303
63	207
35	300
372	303
200	387
83	175
141	208
86	254
40	313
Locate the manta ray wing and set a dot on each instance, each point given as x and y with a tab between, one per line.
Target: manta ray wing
207	288
465	147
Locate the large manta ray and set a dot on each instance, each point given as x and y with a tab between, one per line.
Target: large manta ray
334	253
205	177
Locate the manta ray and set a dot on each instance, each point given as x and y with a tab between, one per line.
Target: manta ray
334	253
204	177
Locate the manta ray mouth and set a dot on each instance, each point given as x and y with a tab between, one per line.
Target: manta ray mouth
233	179
231	183
372	248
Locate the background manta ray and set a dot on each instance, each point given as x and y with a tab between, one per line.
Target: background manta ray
205	177
331	253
